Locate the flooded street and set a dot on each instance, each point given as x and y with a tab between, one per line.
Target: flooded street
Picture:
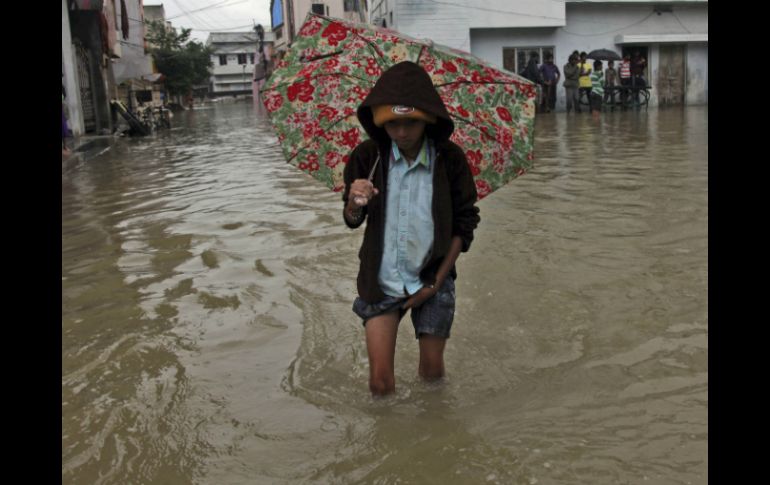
208	337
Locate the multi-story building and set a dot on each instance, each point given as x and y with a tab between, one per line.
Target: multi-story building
233	57
155	13
103	51
671	35
133	70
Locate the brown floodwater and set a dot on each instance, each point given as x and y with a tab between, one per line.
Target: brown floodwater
208	337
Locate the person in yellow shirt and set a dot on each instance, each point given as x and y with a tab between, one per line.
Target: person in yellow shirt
584	81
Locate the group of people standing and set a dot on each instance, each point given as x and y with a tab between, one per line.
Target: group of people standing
585	79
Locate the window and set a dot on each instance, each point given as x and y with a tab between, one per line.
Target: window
351	5
222	60
251	58
242	59
515	58
276	19
318	8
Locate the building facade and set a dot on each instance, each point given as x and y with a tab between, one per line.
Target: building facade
233	57
672	35
103	54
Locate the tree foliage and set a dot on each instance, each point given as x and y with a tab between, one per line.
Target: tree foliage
182	61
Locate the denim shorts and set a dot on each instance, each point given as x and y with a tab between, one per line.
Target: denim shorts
433	317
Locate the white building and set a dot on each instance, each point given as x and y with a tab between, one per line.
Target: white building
233	58
673	35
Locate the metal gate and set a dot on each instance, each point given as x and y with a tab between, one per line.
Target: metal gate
86	92
671	72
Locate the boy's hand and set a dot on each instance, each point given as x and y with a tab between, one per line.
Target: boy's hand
361	190
420	297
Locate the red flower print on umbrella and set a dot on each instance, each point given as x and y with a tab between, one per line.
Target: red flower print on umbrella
313	95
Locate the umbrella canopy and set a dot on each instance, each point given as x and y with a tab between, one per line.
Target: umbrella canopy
604	55
315	90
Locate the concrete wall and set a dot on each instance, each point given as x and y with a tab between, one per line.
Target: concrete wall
443	23
521	13
697	84
69	69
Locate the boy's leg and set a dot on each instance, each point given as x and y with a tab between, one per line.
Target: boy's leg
431	357
432	325
381	334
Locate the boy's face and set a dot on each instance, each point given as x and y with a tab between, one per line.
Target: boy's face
611	64
407	134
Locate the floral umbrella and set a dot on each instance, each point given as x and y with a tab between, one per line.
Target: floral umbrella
315	90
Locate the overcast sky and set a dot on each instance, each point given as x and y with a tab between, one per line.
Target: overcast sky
204	16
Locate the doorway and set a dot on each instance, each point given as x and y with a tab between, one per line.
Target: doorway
671	75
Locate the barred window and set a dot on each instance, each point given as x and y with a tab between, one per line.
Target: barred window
515	58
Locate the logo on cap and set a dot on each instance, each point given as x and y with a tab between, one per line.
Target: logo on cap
402	110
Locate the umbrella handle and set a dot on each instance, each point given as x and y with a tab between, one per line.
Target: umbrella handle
362	201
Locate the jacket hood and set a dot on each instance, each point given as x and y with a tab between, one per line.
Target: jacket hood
406	84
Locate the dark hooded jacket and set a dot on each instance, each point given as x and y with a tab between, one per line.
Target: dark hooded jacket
454	191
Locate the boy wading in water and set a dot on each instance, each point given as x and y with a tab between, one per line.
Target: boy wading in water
420	213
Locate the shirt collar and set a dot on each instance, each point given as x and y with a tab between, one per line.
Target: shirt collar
422	157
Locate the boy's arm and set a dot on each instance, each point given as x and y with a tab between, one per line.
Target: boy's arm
465	214
455	248
354	171
446	266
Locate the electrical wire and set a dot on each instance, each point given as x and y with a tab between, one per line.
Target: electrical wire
609	31
494	10
214	6
680	22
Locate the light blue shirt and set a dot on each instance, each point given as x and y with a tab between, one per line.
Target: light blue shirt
408	221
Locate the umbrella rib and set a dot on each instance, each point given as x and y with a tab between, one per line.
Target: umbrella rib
474	125
322	56
370	42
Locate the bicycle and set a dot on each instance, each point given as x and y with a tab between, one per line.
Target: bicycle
155	117
627	97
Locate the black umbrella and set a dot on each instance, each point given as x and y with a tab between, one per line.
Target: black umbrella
604	55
